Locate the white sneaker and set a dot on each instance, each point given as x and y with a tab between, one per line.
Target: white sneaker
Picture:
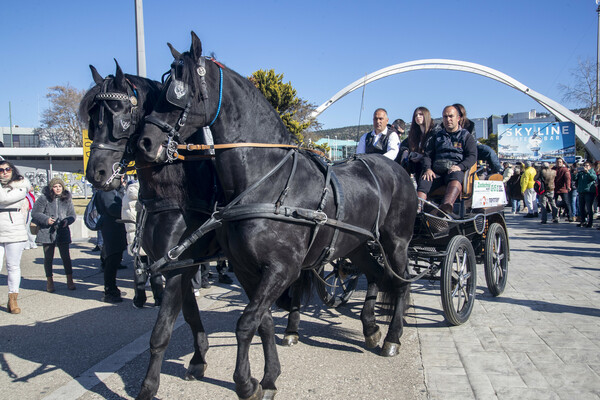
196	292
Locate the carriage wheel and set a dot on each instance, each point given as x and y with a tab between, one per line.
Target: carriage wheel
495	263
341	277
458	280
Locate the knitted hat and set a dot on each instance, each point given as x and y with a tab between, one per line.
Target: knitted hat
55	181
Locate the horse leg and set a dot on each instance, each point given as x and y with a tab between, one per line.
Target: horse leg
291	334
400	297
262	296
191	313
161	334
363	259
272	366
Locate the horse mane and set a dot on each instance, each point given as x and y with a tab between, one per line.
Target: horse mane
164	181
260	108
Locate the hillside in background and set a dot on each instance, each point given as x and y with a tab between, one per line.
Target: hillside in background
344	133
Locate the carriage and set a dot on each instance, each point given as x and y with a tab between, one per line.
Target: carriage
443	248
275	193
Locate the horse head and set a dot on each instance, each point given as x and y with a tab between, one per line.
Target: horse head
201	93
113	110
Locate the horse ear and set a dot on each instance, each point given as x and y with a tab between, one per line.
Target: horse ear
97	77
119	76
196	47
175	53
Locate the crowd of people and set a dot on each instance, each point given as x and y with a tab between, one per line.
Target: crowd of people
570	192
434	155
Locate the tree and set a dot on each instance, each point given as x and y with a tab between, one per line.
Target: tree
293	111
60	125
491	141
583	90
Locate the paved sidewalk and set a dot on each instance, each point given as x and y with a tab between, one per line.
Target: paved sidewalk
538	340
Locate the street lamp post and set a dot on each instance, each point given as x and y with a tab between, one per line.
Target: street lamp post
598	59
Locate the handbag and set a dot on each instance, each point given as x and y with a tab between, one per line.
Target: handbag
441	167
34	228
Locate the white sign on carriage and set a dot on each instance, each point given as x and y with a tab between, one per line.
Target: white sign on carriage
488	194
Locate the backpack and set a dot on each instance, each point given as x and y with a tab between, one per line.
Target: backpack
539	186
91	217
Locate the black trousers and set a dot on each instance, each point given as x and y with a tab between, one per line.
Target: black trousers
63	249
111	264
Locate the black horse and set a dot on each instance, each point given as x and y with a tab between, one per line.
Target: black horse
286	211
114	110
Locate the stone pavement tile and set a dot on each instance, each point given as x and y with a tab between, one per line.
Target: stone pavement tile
491	362
481	385
527	394
450	380
578	356
445	395
469	347
595	368
433	358
570	340
570	376
522	334
573	393
488	340
527	370
501	381
544	355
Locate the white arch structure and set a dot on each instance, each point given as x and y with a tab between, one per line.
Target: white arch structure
583	129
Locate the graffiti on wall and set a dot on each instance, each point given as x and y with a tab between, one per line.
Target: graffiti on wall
74	182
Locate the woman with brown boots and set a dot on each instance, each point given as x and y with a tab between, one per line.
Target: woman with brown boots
53	212
13	235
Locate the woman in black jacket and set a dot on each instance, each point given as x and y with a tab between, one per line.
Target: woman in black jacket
53	212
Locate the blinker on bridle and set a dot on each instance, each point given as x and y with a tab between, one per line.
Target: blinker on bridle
178	94
123	125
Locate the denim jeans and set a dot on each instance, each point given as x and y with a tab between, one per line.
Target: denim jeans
516	205
573	198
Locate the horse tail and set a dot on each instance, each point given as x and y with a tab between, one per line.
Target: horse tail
300	291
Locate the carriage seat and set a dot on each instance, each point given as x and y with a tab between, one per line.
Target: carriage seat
467	185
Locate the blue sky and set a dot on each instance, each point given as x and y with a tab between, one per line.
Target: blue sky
319	46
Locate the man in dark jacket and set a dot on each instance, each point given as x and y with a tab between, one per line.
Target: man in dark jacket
547	198
562	186
450	153
115	241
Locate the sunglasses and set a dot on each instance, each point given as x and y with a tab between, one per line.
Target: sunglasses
7	170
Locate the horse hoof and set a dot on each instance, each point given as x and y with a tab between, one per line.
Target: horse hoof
257	395
290	339
372	341
269	394
390	349
195	372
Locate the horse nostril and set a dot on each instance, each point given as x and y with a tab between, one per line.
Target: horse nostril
146	144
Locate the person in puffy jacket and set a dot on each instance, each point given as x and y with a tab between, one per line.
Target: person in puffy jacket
13	234
529	195
53	212
586	186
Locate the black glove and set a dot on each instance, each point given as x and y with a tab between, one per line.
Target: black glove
64	223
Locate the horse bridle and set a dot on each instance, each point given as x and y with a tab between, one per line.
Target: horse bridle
127	122
178	94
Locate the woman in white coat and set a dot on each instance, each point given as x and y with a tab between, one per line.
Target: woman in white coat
13	234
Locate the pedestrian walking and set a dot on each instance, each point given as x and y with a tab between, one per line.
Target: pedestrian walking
53	212
115	242
13	236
